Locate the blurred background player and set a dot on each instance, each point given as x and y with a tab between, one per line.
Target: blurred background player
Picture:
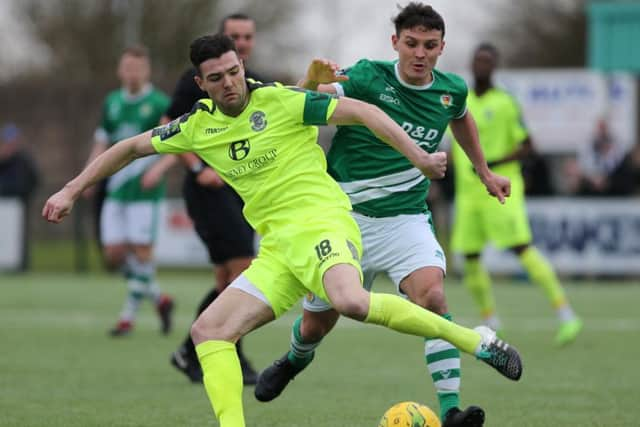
388	194
214	207
129	215
479	219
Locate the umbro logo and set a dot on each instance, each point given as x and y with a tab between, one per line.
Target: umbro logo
390	89
445	374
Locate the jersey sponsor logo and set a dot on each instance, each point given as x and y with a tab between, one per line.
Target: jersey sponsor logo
258	121
429	138
215	131
389	99
238	150
167	131
254	164
446	100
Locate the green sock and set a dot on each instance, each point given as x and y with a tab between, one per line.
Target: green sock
222	380
301	353
541	273
443	362
476	279
404	316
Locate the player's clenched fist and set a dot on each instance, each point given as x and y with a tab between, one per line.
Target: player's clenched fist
434	165
58	206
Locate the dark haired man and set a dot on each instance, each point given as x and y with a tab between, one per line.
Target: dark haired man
478	220
388	195
266	148
214	207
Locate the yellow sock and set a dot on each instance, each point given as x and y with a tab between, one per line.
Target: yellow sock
222	380
404	316
541	273
477	281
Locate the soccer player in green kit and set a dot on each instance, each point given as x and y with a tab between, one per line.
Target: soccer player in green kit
479	220
129	215
262	140
388	194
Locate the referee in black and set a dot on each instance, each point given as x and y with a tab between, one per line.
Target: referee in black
214	208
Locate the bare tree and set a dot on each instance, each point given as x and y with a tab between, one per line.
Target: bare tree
542	33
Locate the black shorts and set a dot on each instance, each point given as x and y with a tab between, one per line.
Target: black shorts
217	217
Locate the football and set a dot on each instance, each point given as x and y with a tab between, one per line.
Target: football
409	414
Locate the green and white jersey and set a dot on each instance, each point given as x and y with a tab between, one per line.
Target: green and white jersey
380	181
124	116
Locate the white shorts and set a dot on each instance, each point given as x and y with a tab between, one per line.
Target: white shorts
129	222
397	245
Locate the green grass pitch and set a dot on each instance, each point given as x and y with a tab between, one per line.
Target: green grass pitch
58	367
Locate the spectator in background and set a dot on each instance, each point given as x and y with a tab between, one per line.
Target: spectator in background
599	164
18	178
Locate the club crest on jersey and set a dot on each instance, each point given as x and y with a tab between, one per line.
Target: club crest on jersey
446	100
258	121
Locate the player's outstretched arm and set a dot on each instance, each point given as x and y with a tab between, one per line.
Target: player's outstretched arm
320	74
106	164
466	133
353	112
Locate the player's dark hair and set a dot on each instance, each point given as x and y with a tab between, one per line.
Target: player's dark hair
490	48
138	51
209	47
238	16
416	14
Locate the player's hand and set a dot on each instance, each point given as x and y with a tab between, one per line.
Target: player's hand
58	206
151	178
322	71
434	165
498	186
209	178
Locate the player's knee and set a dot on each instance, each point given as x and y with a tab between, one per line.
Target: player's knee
204	331
435	300
355	306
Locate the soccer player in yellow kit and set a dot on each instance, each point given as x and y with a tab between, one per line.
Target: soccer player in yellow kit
478	219
262	141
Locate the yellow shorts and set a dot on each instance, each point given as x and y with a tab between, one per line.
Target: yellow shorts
292	262
480	221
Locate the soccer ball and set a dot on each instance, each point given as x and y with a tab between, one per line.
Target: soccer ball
409	414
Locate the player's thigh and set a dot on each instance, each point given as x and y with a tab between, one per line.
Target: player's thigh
400	246
142	222
469	234
271	275
236	312
508	224
113	223
313	249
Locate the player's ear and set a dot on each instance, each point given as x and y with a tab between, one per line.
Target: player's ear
199	81
394	41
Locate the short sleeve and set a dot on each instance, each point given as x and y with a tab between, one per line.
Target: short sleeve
460	104
518	129
359	75
308	107
175	136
